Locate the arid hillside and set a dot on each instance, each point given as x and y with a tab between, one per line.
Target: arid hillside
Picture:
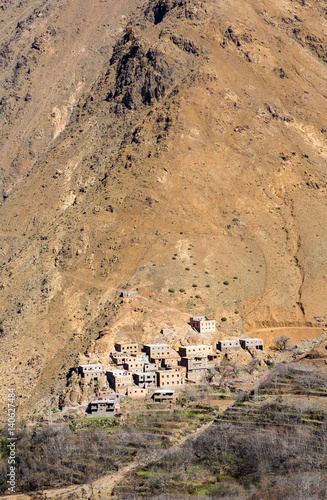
51	51
190	156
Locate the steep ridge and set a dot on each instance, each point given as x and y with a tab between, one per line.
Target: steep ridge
51	51
197	157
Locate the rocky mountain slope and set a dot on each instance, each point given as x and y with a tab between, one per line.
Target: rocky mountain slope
188	155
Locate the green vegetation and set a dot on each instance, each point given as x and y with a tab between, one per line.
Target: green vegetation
194	285
171	290
268	449
182	290
225	282
223	318
265	447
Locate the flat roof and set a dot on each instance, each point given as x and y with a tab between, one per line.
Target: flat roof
116	373
198	345
126	343
110	397
96	365
231	340
261	340
156	345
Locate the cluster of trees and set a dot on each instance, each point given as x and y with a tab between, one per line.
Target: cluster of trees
61	455
276	451
299	377
274	463
57	456
272	457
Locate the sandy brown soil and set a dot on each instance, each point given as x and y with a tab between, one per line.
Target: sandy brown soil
195	155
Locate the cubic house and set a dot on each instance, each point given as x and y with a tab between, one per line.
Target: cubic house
94	372
252	344
196	367
122	357
170	362
129	293
192	351
162	395
127	347
134	366
157	351
202	324
150	367
120	380
145	379
228	345
136	392
119	357
170	378
106	406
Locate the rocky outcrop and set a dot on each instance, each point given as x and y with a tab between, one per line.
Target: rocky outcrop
142	76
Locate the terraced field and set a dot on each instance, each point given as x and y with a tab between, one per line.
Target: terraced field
273	447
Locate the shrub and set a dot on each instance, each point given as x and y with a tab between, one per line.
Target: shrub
182	290
224	319
171	290
226	282
198	297
207	286
281	343
187	268
194	286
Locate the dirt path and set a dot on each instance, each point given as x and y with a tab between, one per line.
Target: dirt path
272	329
295	333
102	488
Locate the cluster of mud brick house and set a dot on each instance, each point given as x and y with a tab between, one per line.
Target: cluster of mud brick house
134	370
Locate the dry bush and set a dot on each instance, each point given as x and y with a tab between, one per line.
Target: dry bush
305	486
281	343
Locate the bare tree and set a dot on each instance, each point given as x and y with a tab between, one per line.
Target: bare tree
281	343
